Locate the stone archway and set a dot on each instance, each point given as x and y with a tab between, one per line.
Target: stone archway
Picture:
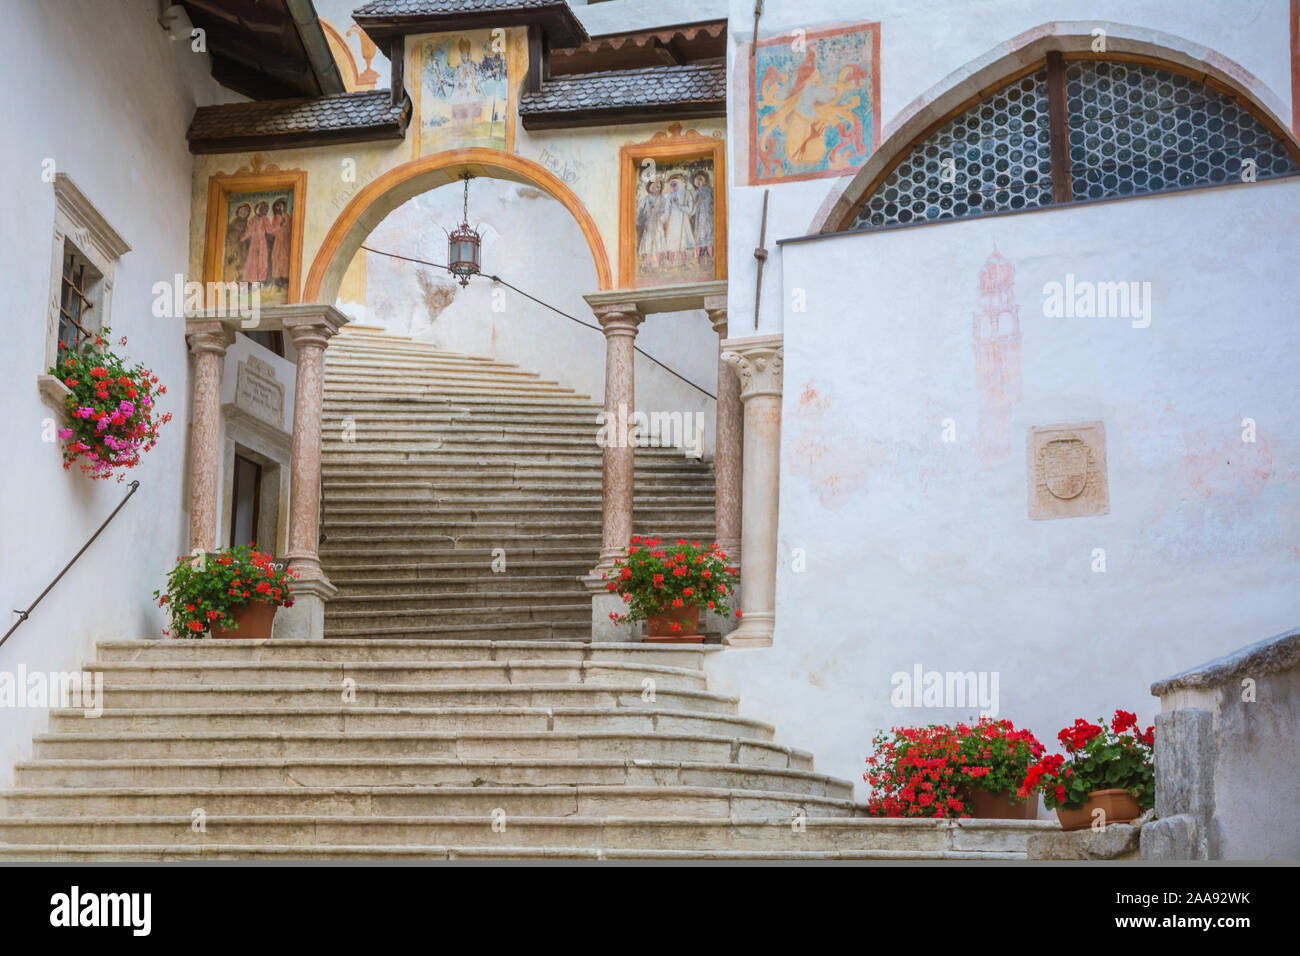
384	194
970	83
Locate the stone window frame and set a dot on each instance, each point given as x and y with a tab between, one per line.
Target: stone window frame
79	228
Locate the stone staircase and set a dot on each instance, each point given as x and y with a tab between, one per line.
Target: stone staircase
433	461
437	749
452	712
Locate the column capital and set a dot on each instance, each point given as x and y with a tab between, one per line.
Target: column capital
621	318
208	336
308	324
759	361
716	307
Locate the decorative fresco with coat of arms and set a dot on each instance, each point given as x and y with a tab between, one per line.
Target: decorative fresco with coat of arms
815	103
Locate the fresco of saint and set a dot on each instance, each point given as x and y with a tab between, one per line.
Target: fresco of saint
258	242
675	224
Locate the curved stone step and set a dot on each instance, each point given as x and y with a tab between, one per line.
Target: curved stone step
714	748
679	655
482	801
508	772
505	671
249	695
690	837
457	720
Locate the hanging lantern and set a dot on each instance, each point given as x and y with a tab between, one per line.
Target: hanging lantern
464	246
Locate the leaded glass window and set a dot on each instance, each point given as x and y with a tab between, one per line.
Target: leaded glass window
1130	128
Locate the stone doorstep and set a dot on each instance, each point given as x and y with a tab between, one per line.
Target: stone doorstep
1115	841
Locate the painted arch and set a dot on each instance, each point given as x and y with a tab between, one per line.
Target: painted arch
384	194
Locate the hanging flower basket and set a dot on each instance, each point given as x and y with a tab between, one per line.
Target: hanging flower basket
666	585
110	409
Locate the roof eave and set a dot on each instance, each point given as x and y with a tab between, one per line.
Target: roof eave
621	115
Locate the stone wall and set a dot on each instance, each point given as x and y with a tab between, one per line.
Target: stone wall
907	536
1226	768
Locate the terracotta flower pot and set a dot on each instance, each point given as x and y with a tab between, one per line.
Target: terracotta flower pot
659	629
1119	805
998	806
254	622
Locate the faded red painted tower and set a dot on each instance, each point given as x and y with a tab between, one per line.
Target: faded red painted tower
995	337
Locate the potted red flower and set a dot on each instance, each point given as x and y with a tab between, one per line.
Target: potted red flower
110	408
666	585
230	593
962	770
1107	768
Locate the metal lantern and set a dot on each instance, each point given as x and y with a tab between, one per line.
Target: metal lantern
464	246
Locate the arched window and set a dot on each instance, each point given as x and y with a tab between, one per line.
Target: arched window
1074	129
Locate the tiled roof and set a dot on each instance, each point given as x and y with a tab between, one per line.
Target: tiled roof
342	118
381	18
630	90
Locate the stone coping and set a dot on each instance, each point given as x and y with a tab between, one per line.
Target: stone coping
668	298
1270	655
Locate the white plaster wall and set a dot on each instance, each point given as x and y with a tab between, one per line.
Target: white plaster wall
917	553
921	44
531	241
108	97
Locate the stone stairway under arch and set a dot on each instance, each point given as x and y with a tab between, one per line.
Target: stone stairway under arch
450	713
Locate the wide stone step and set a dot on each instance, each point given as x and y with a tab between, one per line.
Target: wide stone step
356	588
291	717
577	837
324	772
680	656
443	673
560	630
608	695
518	569
411	616
482	801
351	453
538	509
490	604
712	748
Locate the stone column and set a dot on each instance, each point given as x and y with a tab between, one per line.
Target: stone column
309	327
208	341
728	431
620	323
758	361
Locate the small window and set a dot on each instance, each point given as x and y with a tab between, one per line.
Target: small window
78	318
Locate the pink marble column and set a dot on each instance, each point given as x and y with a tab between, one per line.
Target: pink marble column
758	360
208	341
620	323
729	424
310	330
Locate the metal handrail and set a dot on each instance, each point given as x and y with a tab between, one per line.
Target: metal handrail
24	615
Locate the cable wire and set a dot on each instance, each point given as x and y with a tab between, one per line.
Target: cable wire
547	305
